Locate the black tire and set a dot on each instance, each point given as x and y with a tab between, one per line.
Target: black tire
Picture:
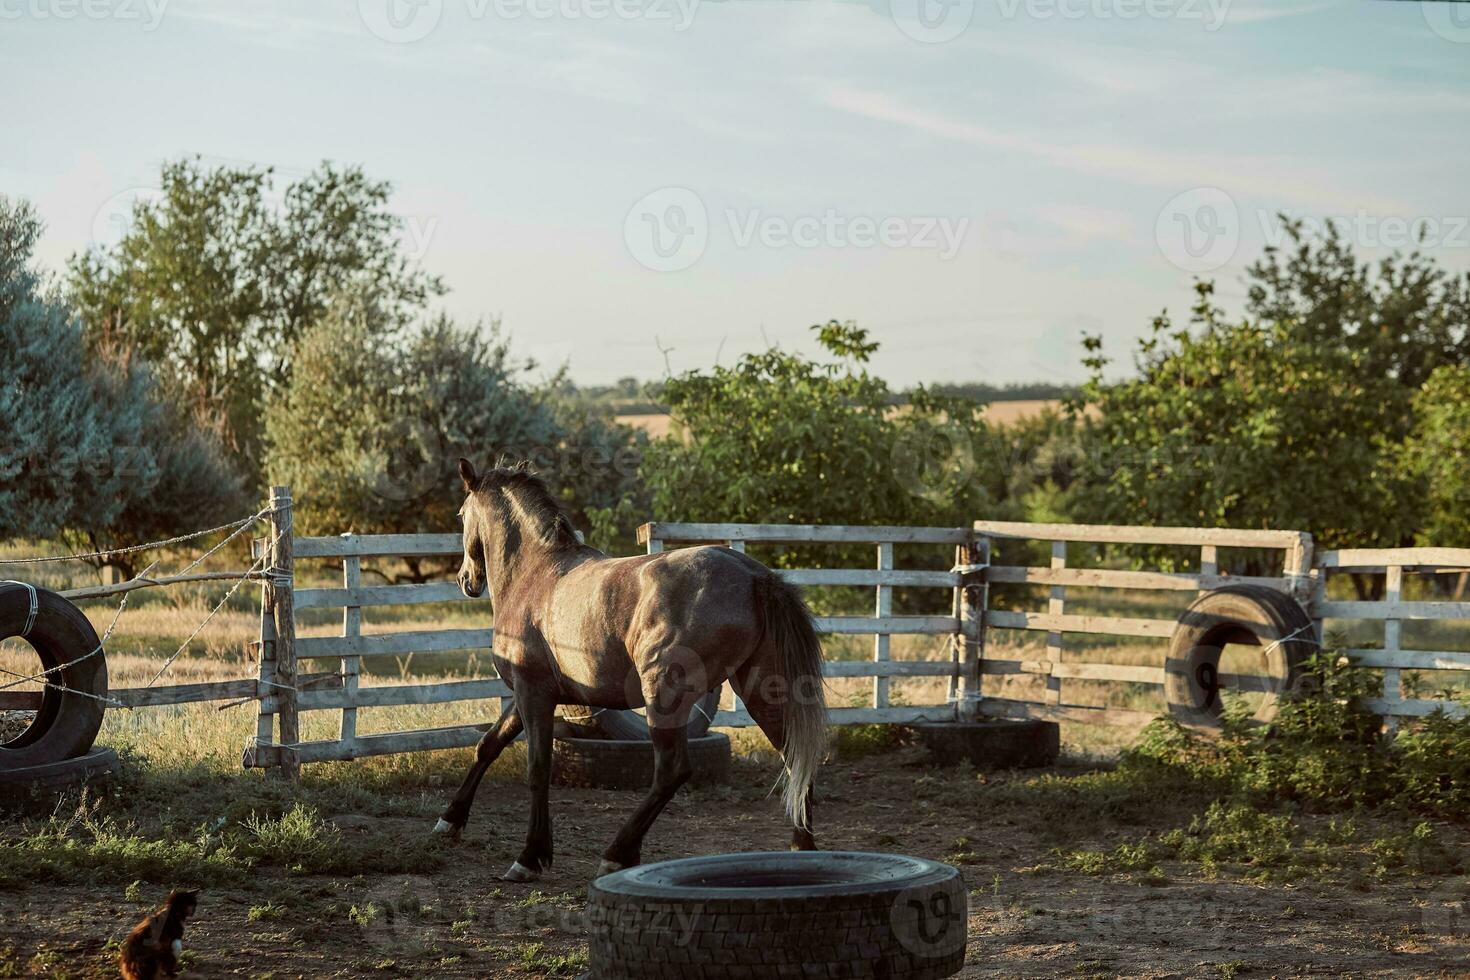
91	766
999	743
602	764
779	914
631	726
67	721
1250	615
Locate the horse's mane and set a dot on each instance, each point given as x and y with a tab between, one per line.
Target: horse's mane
533	503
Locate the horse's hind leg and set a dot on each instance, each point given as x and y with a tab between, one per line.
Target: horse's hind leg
764	701
501	734
669	729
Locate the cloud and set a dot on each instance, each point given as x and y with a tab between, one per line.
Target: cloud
1280	181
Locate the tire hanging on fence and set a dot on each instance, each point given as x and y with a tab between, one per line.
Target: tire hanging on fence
69	712
1248	615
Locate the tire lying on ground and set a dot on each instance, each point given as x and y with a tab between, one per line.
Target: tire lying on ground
1249	615
630	725
595	763
66	721
99	763
779	914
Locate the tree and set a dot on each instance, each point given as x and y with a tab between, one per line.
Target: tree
1439	454
367	432
1404	317
213	285
778	438
1246	425
91	448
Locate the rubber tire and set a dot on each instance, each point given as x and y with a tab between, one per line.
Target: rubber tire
594	763
999	743
99	763
1242	614
67	723
800	914
610	723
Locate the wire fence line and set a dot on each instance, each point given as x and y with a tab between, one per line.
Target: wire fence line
256	571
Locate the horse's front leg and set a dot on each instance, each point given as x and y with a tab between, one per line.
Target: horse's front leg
539	713
501	734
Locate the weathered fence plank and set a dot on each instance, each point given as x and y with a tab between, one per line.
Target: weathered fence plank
800	533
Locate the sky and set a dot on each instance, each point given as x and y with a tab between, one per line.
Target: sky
641	186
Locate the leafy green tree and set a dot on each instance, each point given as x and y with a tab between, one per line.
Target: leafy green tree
779	438
1439	453
213	285
367	432
91	450
1246	425
1404	315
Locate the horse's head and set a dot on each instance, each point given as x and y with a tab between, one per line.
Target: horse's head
472	572
510	518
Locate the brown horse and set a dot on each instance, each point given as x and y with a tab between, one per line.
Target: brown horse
573	626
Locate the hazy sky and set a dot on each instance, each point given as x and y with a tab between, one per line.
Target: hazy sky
977	182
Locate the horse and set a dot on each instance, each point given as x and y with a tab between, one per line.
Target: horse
576	627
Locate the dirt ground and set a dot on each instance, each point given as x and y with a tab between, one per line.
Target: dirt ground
1026	918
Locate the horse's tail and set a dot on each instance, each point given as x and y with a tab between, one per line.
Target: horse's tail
799	659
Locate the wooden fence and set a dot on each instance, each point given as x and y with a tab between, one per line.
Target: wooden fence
963	579
1295	549
284	691
1393	658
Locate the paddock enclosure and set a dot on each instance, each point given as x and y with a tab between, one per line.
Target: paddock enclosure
967	621
1061	622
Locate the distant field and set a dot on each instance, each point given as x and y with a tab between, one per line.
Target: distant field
657	424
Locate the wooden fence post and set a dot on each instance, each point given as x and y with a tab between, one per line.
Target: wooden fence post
883	608
258	752
974	596
282	568
352	665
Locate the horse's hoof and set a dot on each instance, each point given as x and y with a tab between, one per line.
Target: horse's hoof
607	867
519	872
447	829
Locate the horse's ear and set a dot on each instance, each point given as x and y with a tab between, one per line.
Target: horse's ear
467	474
